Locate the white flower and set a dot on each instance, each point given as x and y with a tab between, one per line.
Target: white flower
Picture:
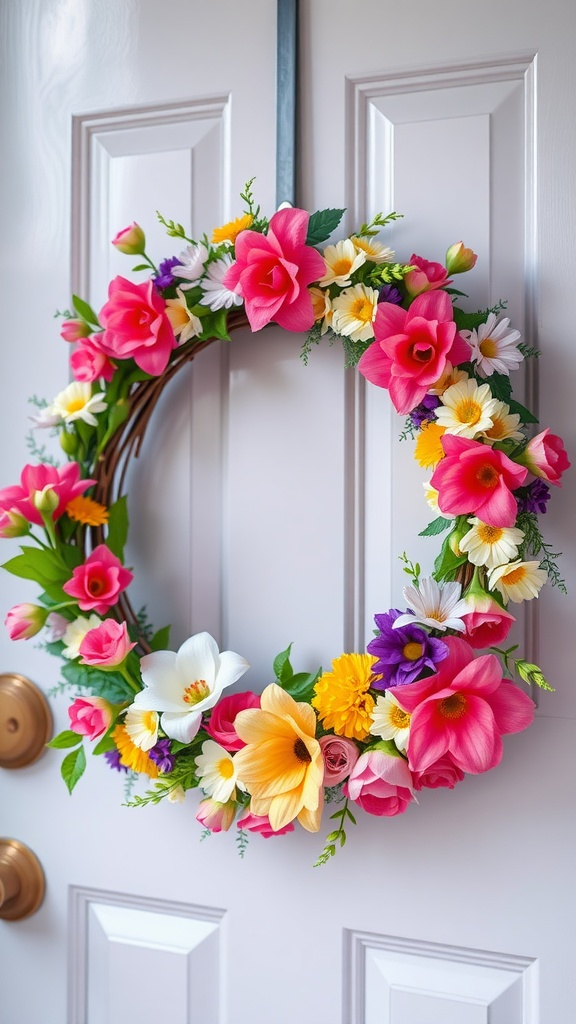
216	295
142	727
192	259
341	260
75	633
517	581
390	721
46	418
373	250
183	685
490	545
184	322
466	408
218	772
77	402
494	347
354	312
438	605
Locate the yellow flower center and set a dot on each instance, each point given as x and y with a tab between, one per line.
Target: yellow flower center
497	430
301	751
454	706
225	768
468	411
342	267
487	476
514	576
362	309
488	348
398	718
489	534
75	404
149	721
412	651
196	692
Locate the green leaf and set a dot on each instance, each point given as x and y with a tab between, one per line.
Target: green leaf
85	311
447	562
64	739
118	527
501	387
437	525
110	685
322	224
73	767
161	639
532	674
301	685
282	667
215	325
105	744
141	266
525	415
45	567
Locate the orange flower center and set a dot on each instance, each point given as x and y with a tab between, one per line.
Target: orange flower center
454	706
399	719
490	534
487	476
341	267
412	651
488	348
362	309
301	751
514	576
196	692
468	411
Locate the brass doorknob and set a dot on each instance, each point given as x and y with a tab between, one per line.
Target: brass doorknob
21	881
25	721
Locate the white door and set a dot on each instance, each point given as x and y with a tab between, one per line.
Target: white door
459	911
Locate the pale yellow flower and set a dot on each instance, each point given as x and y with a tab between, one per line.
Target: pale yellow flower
450	376
341	260
184	322
322	307
517	581
504	425
466	408
490	545
142	727
77	402
390	721
355	312
374	251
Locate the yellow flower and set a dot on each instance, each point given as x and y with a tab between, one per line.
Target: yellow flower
86	510
341	696
282	766
131	756
354	312
341	260
373	250
230	231
429	451
322	307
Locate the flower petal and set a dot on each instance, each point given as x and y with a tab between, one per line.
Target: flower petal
182	727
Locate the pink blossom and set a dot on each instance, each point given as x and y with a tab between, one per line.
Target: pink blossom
340	756
107	645
25	620
90	363
475	478
130	240
380	783
462	711
412	347
90	716
272	272
426	277
215	816
73	330
546	457
63	481
487	623
99	581
221	724
260	823
443	773
136	326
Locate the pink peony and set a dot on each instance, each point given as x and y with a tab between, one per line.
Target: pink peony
426	277
487	623
340	756
99	581
443	773
260	823
272	272
380	783
63	481
25	620
130	240
90	363
90	716
221	724
136	326
475	478
107	645
546	457
73	330
215	816
412	347
462	711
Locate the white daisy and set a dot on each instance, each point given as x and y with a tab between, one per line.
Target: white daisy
494	347
354	312
184	322
192	264
390	721
504	425
215	294
374	251
341	260
517	581
438	605
142	727
75	633
466	408
490	545
215	766
77	402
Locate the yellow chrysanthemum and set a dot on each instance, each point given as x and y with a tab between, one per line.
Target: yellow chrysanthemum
341	696
85	510
429	451
131	756
230	231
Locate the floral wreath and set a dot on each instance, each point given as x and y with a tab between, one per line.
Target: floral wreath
430	699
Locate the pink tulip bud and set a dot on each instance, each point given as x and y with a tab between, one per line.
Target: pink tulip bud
90	716
73	330
545	457
216	816
459	259
131	240
25	620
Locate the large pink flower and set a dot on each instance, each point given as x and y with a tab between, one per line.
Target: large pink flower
462	711
380	783
64	481
221	724
412	347
475	478
272	272
545	456
99	581
136	326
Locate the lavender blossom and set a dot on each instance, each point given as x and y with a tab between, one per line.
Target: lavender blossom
165	277
160	755
534	497
404	654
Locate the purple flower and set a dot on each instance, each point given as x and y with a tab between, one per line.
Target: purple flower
113	759
388	293
165	278
533	498
404	654
425	411
160	754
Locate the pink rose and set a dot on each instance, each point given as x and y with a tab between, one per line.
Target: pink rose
73	330
90	716
107	645
215	816
380	783
487	623
99	581
221	724
426	278
90	363
136	326
442	773
63	481
272	272
545	457
25	620
130	240
260	823
340	756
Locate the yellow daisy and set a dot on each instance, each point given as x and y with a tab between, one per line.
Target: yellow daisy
230	231
490	545
373	250
354	312
466	408
85	510
131	756
341	696
517	581
429	451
